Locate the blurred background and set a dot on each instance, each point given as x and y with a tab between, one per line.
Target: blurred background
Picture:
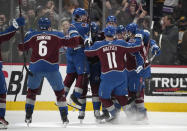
166	19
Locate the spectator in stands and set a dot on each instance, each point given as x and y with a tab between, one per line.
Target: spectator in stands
140	13
51	13
64	27
25	5
182	44
30	19
112	6
5	48
169	41
127	14
68	11
169	5
144	23
96	14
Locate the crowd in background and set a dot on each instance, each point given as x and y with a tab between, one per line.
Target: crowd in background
169	16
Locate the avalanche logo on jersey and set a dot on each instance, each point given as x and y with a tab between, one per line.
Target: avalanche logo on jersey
84	25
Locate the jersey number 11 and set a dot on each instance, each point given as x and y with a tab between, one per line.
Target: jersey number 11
111	56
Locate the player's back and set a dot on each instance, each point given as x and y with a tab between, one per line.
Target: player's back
111	56
45	49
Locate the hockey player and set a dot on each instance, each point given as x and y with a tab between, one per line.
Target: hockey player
77	65
95	72
111	21
95	68
111	53
45	46
137	72
5	36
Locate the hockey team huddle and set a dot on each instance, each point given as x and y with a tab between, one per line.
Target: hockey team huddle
114	62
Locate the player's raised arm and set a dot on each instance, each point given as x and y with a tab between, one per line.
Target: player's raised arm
10	31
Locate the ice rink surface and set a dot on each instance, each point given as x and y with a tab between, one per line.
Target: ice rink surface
50	121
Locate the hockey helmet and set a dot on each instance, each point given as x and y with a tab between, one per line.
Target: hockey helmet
110	31
79	12
44	23
120	29
111	19
132	27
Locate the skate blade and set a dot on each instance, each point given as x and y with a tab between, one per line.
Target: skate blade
28	122
3	127
81	121
65	124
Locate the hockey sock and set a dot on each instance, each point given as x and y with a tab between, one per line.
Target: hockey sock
70	77
2	112
2	105
109	106
81	84
96	103
30	101
29	108
63	109
95	96
140	99
83	102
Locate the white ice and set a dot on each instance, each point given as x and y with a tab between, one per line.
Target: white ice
50	121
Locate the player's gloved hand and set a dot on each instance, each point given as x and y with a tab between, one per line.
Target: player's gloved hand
18	22
88	41
139	36
155	50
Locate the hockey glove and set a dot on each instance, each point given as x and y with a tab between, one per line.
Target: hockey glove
18	22
155	50
88	41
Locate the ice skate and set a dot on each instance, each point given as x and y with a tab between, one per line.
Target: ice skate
130	111
64	117
73	102
111	119
3	123
104	116
81	116
141	114
97	116
28	119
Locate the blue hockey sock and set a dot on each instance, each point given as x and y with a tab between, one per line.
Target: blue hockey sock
2	112
96	105
64	109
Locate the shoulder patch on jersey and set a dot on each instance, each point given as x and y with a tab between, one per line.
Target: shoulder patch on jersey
84	25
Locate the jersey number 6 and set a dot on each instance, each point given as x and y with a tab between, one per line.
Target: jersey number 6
42	48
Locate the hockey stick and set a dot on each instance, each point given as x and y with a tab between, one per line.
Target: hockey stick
24	54
22	40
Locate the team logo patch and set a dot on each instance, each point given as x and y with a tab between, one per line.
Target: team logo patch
83	24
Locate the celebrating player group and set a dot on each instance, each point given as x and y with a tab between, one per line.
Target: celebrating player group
114	61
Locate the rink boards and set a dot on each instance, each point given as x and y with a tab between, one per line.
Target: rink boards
165	91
